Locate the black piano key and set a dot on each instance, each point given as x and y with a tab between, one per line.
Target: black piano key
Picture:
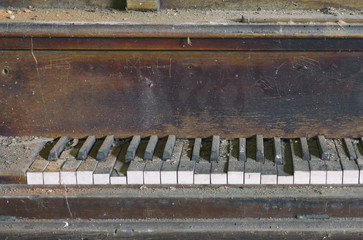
57	148
323	148
260	156
86	148
277	150
196	149
242	149
304	149
132	148
169	146
349	146
214	155
105	148
150	148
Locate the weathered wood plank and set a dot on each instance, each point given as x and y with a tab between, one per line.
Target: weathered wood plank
310	93
182	202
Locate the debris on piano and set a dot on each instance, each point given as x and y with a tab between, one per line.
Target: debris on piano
199	161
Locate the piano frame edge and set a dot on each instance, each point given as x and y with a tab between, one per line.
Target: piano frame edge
186	228
141	202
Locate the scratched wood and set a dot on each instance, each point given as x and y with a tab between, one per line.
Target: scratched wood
182	43
184	93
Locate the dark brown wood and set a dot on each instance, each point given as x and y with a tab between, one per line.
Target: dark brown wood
117	203
184	93
181	44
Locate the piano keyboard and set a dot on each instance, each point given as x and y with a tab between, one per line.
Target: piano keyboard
153	160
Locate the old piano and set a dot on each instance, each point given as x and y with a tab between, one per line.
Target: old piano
185	119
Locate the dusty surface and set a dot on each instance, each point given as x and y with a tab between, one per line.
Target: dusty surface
170	16
17	153
193	191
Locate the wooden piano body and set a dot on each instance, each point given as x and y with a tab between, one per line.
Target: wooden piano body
219	119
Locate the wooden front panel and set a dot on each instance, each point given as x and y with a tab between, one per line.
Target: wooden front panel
186	93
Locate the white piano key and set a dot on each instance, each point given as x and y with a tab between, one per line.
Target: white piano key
317	172
268	173
317	166
118	178
102	173
219	173
135	172
350	168
186	166
358	147
334	173
118	175
68	171
152	171
252	176
268	167
202	173
85	171
68	174
252	173
300	166
34	174
235	174
51	173
169	170
285	171
219	168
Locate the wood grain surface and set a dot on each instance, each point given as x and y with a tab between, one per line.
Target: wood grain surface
184	93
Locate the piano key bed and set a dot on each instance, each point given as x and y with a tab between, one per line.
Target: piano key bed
214	160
